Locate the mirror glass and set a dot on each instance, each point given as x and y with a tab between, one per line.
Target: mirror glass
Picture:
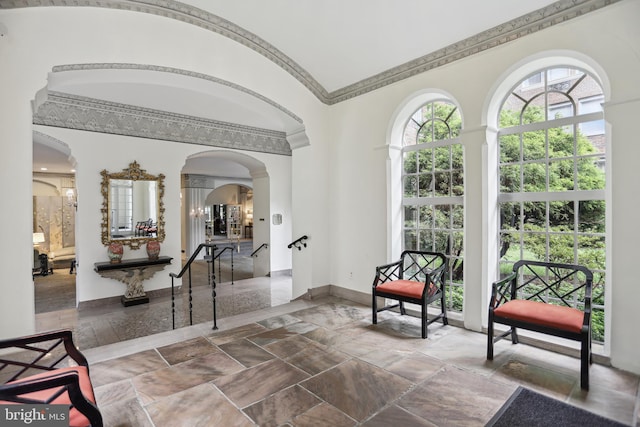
132	211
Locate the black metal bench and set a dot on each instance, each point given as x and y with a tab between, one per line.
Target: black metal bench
550	298
418	278
33	373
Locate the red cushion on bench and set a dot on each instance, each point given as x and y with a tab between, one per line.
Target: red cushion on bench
76	419
555	316
406	288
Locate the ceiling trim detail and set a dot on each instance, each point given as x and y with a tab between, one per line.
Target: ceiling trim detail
556	13
93	115
161	69
189	180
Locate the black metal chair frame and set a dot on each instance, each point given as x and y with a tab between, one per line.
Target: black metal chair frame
419	266
510	288
50	343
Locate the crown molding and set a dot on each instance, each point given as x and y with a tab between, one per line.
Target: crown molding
556	13
63	110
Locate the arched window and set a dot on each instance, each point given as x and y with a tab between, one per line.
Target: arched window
433	184
551	157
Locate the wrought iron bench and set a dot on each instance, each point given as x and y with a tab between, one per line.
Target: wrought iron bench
550	298
32	374
418	278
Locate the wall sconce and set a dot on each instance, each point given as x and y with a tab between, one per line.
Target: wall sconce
38	238
71	198
196	213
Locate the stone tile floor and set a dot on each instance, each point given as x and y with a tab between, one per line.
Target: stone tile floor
318	363
322	363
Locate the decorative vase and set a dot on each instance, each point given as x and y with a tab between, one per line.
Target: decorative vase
153	249
115	252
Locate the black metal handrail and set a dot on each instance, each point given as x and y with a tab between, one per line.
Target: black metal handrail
264	245
210	257
299	243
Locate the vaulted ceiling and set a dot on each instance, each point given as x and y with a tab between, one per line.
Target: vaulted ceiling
338	49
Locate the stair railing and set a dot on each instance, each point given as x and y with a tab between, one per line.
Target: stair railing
262	246
210	257
299	243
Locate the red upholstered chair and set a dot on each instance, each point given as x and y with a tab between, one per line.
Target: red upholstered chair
417	278
550	298
32	372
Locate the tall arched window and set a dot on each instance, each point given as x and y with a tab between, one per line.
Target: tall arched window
433	184
551	156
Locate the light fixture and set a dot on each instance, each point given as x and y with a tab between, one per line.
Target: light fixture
38	238
71	198
197	213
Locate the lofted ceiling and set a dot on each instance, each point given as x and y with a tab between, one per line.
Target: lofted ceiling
338	49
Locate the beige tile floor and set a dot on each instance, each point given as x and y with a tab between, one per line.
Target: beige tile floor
321	362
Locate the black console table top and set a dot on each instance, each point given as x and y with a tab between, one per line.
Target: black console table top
131	263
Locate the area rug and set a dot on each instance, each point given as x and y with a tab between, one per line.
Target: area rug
528	408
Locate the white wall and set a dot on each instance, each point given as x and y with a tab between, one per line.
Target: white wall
359	183
39	39
337	187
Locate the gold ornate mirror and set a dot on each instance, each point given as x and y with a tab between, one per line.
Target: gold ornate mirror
132	207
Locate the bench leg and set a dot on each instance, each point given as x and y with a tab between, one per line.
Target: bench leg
424	321
514	335
585	361
374	309
490	340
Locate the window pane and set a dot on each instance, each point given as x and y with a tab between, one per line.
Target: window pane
510	179
410	186
425	160
456	156
534	112
591	173
591	216
425	134
510	246
443	158
426	185
535	214
457	184
457	216
591	252
443	216
561	216
561	142
561	248
410	133
410	217
426	216
561	176
456	244
534	145
442	184
509	216
410	165
594	127
441	241
426	240
509	148
534	176
534	246
410	241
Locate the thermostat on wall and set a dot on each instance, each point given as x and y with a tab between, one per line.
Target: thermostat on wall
277	219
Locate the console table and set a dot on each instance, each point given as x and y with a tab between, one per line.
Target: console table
132	272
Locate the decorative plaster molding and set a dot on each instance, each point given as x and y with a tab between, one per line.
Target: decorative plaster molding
171	70
81	113
556	13
190	180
